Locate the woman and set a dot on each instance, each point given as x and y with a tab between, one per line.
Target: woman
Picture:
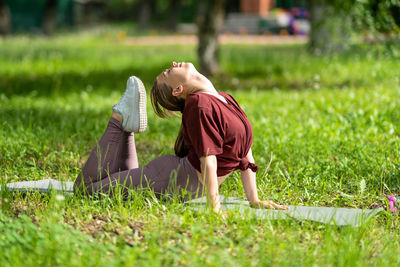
215	139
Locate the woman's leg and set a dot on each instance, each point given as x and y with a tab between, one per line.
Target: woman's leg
116	149
113	162
166	174
127	159
114	152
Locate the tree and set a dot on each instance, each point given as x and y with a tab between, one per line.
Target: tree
49	18
144	14
173	14
5	18
334	23
210	20
330	27
380	19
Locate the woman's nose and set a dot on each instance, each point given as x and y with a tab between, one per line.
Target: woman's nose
174	64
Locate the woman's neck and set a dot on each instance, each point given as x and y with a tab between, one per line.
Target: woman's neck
200	83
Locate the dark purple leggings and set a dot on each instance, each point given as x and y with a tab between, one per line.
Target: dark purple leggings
113	162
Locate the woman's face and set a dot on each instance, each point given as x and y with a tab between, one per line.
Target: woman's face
178	74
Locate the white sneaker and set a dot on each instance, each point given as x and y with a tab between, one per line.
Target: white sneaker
132	106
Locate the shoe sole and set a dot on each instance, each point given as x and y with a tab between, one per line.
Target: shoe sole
142	105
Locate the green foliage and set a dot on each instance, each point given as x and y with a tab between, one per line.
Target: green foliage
338	25
121	9
378	15
129	10
326	133
380	23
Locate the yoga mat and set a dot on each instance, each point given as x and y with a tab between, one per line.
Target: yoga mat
43	186
328	215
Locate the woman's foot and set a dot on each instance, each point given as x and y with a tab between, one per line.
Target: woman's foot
132	106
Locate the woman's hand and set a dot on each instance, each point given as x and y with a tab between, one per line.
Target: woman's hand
267	204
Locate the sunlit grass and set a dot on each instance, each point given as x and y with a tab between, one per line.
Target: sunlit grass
323	126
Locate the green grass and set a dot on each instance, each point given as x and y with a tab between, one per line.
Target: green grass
323	127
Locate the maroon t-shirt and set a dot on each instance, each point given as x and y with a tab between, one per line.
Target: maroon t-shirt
212	127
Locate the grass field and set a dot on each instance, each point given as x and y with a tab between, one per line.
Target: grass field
326	133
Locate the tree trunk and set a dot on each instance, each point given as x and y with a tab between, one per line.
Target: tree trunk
49	19
330	28
173	14
145	14
5	18
210	21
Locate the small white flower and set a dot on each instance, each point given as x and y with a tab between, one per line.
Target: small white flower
235	81
60	197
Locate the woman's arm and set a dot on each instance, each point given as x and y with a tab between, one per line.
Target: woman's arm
210	180
249	181
248	178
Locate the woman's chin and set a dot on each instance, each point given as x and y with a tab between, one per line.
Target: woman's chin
191	66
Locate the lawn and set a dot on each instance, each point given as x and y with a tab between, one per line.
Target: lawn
326	133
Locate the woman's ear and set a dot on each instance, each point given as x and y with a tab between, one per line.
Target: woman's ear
178	91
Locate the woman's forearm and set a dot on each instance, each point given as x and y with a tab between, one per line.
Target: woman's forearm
213	194
250	188
248	178
210	178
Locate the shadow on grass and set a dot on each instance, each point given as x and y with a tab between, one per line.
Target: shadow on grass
67	82
108	79
42	139
393	180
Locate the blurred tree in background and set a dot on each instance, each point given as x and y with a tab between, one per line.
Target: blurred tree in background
159	14
208	14
49	17
5	18
330	27
210	20
173	14
336	25
145	10
166	13
39	16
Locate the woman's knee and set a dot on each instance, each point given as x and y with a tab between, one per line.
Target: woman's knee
163	163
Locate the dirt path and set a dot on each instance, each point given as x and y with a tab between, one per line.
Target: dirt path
224	39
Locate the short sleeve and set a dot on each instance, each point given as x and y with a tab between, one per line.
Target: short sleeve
203	131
